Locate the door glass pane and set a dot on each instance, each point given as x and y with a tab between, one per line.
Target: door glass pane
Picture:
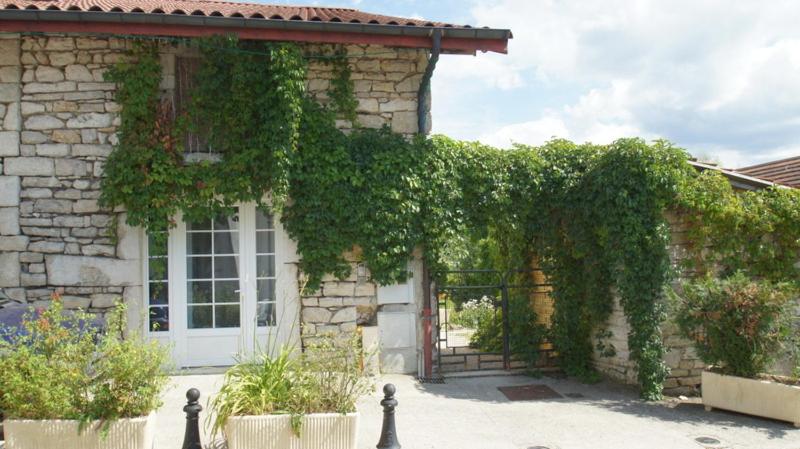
157	282
227	315
265	269
200	317
212	265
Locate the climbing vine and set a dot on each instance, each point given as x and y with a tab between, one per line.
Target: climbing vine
592	216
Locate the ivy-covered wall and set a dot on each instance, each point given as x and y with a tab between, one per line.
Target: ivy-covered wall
59	125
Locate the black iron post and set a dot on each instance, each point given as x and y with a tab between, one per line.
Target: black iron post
388	432
191	439
506	324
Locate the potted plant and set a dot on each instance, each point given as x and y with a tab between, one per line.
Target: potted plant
68	382
294	401
740	326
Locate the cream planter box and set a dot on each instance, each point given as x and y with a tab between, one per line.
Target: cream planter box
130	433
318	431
752	396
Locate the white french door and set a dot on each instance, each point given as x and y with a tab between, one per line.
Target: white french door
232	287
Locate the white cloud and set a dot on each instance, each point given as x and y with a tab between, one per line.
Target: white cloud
718	77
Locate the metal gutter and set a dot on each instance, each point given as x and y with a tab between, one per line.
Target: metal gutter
423	97
738	180
455	40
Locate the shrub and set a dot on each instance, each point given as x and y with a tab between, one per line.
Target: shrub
738	324
473	313
327	378
525	337
60	365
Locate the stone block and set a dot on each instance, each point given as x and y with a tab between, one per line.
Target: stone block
85	206
33	137
31	257
53	206
91	150
78	73
61	59
71	167
9	270
76	302
42	122
29	166
9	52
36	193
45	246
104	300
52	150
66	136
60	43
32	279
41	232
15	243
404	122
71	221
9	221
98	250
65	106
399	104
93	86
90	120
338	288
316	315
344	315
92	271
128	240
47	88
330	302
9	191
10	74
12	120
9	92
368	105
9	143
47	74
85	43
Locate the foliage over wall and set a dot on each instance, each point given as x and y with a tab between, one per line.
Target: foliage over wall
594	215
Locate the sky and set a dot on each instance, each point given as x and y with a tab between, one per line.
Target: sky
720	78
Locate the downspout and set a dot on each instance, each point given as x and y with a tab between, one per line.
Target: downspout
423	99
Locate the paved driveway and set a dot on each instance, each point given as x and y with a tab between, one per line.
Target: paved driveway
472	414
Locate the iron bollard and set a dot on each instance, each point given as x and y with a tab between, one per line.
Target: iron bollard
191	439
388	431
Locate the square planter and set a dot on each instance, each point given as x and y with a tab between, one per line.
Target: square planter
752	396
318	431
129	433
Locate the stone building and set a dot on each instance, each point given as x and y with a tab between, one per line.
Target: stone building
231	285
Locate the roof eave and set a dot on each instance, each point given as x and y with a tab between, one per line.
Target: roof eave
738	180
454	40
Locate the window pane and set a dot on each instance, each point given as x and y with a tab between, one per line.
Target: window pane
265	242
202	225
198	268
266	314
198	243
157	269
266	290
227	316
200	317
265	266
263	220
226	242
159	319
156	249
226	267
226	291
222	223
198	292
159	293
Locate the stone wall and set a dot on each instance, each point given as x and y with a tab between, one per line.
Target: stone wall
685	367
59	121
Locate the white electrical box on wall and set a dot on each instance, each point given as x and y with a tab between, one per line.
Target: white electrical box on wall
397	293
398	348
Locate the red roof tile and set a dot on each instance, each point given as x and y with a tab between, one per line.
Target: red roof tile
223	9
784	171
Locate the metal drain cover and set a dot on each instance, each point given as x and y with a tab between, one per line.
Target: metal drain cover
529	392
708	441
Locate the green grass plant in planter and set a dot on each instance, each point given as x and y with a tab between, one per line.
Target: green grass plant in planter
741	326
88	386
292	399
